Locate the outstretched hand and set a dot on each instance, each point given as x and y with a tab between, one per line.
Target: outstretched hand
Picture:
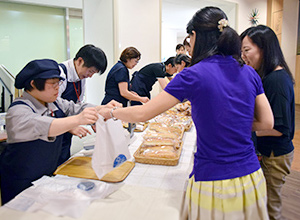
105	112
88	116
145	99
110	105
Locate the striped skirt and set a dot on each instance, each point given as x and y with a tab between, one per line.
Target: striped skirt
232	199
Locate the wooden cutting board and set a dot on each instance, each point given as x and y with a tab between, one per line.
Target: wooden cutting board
81	167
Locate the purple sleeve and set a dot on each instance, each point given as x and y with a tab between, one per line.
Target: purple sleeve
180	86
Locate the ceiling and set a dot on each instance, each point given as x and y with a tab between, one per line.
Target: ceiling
177	13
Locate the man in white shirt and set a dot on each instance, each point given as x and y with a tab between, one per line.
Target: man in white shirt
88	61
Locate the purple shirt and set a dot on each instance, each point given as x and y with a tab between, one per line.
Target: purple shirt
222	94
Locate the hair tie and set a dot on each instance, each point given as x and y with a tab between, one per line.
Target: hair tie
222	24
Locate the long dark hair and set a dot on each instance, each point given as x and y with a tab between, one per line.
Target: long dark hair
265	38
210	40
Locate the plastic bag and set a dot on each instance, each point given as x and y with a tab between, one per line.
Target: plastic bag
111	146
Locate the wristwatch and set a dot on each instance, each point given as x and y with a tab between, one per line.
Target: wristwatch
111	113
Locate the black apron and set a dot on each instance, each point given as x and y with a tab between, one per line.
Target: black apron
24	162
70	95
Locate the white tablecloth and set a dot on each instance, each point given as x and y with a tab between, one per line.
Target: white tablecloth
150	191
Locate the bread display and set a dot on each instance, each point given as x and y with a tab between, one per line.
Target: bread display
162	143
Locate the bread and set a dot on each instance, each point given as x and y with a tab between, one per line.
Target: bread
159	152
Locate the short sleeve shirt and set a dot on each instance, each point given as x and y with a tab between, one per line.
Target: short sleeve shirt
222	95
151	72
279	90
24	124
118	73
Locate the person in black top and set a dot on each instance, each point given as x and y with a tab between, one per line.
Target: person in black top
181	61
261	50
143	80
117	81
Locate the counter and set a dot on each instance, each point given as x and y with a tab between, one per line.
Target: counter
149	192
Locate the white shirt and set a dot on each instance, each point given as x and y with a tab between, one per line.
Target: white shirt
72	77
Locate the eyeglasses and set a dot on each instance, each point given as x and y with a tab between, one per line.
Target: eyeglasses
55	84
136	60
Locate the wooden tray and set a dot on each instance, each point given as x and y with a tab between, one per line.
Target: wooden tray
81	167
157	161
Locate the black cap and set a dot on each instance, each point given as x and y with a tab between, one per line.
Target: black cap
37	69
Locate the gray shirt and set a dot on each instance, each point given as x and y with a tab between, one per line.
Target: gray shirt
22	124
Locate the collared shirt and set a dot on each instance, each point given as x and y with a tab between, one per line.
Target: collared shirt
118	73
72	77
22	124
222	94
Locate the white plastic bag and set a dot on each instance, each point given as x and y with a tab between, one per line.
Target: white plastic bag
111	146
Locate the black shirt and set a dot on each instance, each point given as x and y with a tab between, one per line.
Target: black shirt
148	75
279	90
118	73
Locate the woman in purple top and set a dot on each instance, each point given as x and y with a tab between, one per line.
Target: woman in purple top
228	102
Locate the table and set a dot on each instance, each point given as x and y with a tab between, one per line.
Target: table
149	192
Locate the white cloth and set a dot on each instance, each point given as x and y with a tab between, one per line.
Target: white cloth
60	196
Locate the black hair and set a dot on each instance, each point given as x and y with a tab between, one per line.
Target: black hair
182	57
265	38
92	57
129	53
170	61
38	83
178	46
211	40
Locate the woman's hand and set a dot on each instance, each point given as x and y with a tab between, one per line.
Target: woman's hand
144	99
111	104
80	132
105	112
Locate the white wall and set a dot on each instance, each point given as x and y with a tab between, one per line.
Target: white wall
138	24
54	3
169	41
290	32
244	9
98	30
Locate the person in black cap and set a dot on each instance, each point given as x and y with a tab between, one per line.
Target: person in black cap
35	123
88	61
